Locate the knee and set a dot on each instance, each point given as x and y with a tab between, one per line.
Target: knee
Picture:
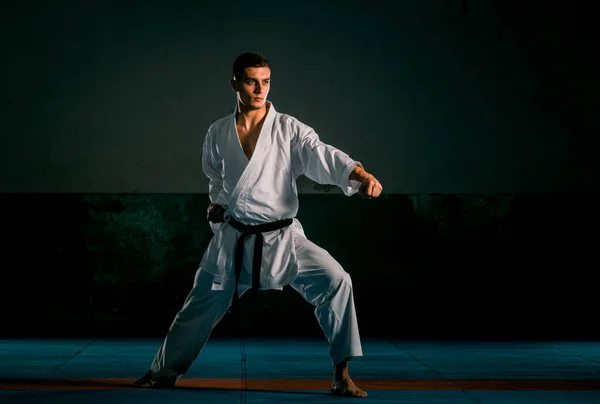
341	279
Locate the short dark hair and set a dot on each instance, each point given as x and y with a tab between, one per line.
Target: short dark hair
249	59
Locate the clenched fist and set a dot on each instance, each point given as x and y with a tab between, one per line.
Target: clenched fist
215	213
370	187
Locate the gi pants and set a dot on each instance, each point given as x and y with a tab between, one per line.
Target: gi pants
321	281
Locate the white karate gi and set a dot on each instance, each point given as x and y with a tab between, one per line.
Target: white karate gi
254	192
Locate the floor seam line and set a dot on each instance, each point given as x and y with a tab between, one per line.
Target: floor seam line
75	355
244	384
55	368
439	374
574	354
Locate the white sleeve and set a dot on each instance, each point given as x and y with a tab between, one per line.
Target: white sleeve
212	165
321	162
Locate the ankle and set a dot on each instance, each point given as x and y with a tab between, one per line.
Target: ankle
340	372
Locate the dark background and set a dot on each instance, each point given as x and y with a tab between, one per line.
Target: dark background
479	118
435	266
435	96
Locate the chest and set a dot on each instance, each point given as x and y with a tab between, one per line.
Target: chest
248	139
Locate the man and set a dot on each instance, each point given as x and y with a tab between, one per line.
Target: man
252	159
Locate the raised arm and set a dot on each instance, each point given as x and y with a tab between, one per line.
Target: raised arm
326	164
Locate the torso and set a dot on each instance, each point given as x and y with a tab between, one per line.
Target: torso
248	139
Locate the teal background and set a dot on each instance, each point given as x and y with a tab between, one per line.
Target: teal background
432	96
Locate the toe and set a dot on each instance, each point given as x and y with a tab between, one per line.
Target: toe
359	393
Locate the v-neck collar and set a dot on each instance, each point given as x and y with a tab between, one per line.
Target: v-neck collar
271	110
252	164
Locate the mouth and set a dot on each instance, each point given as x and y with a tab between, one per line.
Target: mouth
259	99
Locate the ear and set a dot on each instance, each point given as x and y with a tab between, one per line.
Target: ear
234	85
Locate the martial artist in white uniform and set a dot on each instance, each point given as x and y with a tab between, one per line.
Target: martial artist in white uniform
252	180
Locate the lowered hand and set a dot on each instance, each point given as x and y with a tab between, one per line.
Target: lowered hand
215	213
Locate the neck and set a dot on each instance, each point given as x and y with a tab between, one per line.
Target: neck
249	118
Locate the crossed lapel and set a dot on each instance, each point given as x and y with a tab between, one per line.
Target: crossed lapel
264	140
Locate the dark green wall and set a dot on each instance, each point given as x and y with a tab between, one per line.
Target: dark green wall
422	265
495	96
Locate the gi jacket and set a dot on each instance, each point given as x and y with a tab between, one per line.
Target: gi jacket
263	189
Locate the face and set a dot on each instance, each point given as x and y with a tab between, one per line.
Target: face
252	90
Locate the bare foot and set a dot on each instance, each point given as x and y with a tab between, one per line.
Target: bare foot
346	388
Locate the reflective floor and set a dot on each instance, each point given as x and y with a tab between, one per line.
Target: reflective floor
290	371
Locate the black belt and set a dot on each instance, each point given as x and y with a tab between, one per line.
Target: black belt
245	231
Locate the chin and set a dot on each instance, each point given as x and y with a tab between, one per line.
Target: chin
252	104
